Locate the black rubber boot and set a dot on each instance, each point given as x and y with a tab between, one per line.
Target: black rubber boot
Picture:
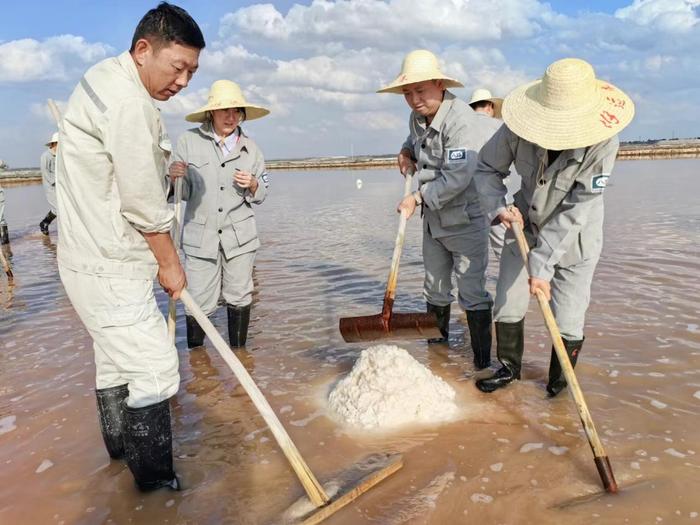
510	342
44	225
479	322
195	333
238	321
4	235
443	321
148	446
110	409
557	382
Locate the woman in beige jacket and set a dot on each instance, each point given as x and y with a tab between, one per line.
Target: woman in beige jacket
223	175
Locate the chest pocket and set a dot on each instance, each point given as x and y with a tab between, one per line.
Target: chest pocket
197	162
565	178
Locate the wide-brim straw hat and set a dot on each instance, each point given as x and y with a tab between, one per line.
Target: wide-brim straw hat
225	94
54	138
567	108
418	66
481	94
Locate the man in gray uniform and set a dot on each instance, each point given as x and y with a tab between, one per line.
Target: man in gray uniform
561	133
442	146
48	179
488	109
114	234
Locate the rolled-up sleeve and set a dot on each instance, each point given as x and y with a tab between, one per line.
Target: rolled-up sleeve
132	140
558	234
492	167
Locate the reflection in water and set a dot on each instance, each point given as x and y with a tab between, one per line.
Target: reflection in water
516	457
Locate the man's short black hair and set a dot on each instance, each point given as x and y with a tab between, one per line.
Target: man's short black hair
168	24
481	104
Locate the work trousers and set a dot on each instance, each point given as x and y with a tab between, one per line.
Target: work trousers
209	279
571	290
466	255
129	333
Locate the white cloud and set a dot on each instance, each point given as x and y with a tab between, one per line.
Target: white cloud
669	15
54	58
392	23
375	120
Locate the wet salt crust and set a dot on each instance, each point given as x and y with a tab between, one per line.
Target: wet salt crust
388	388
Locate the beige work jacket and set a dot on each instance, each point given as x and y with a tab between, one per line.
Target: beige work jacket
110	174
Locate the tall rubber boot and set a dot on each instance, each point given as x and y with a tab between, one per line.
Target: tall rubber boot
238	321
44	225
479	322
557	381
510	342
443	321
110	411
148	446
4	235
195	333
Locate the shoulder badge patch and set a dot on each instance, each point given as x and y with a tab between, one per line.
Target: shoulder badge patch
599	182
266	179
457	155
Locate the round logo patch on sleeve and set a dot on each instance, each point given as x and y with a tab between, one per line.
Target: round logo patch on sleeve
599	182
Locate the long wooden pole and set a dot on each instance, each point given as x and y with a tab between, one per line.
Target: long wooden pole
172	309
6	266
390	293
311	485
601	458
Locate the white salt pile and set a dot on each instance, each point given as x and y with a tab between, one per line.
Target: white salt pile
388	388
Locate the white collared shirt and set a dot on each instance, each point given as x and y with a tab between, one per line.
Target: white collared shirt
227	144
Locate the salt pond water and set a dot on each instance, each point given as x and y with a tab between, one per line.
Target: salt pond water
326	252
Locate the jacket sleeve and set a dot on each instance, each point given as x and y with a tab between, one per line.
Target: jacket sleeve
456	170
132	139
493	164
557	235
260	173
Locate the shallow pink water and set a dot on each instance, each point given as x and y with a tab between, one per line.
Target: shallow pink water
514	458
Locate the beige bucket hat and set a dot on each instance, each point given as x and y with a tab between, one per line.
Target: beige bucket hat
225	94
54	138
419	65
481	94
567	108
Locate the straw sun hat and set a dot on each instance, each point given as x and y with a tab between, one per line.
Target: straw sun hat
481	94
54	138
418	66
225	94
567	108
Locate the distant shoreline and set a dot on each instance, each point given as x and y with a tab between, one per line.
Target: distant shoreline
629	151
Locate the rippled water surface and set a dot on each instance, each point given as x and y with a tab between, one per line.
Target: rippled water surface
515	458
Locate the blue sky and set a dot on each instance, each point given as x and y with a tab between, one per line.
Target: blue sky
317	63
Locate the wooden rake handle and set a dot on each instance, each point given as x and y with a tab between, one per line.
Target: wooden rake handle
396	257
601	459
172	311
7	268
311	485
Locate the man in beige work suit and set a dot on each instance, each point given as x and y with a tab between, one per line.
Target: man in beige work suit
561	134
442	147
114	234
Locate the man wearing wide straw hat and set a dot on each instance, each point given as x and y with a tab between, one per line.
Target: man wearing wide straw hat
48	178
561	134
442	147
223	173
